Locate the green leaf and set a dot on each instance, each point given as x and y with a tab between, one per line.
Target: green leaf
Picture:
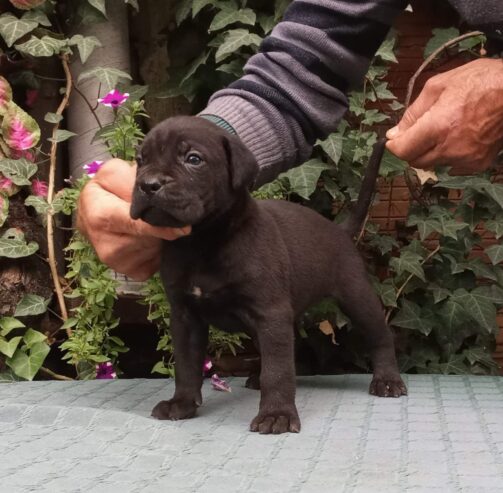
31	304
234	40
230	15
200	60
198	5
385	51
8	348
495	225
332	146
38	203
408	262
53	117
450	227
479	308
32	337
26	366
387	292
391	165
456	365
303	179
425	225
495	253
183	10
37	16
61	136
12	28
410	317
42	47
234	67
7	324
85	45
439	293
440	37
4	209
13	245
266	22
18	170
383	243
99	5
109	77
134	4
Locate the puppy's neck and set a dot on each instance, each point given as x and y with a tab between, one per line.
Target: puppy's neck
224	224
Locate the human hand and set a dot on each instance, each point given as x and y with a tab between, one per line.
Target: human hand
456	120
128	246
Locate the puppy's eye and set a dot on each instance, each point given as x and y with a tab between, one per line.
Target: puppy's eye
139	160
193	159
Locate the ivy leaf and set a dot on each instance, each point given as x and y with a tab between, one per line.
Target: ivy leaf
266	22
410	317
52	117
439	293
26	366
492	293
234	67
8	348
230	15
456	365
37	16
85	45
4	209
496	225
303	179
383	243
183	10
479	308
61	135
453	316
234	40
480	355
408	262
440	37
45	46
332	146
385	51
134	4
425	225
32	337
495	253
18	170
109	77
200	60
12	28
391	165
7	324
386	291
31	304
450	227
99	5
198	5
38	203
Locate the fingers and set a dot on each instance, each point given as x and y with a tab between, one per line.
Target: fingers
419	139
117	177
426	99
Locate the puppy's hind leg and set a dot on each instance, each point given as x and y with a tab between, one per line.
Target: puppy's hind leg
190	339
360	303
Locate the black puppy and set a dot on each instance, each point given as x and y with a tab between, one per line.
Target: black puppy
248	265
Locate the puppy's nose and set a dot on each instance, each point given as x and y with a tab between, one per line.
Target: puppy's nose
150	186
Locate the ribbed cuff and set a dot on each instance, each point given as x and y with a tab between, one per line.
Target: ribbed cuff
252	127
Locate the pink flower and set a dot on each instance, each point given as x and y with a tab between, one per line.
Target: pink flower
20	137
207	365
219	384
39	188
7	187
105	371
92	168
26	154
114	99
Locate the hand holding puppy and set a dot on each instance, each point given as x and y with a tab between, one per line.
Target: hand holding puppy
456	120
131	247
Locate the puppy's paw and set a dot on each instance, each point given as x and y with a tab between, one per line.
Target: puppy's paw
387	386
253	382
174	409
276	423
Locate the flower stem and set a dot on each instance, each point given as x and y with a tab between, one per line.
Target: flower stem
50	195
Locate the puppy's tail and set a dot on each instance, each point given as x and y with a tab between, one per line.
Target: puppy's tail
360	210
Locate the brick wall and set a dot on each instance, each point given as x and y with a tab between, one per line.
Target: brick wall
413	32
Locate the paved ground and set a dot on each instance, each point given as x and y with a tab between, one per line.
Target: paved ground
97	436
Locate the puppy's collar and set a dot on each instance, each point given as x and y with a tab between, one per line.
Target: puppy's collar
220	122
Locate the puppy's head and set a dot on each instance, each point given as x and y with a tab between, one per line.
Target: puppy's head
189	169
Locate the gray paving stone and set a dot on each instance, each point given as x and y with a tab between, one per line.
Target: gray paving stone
98	437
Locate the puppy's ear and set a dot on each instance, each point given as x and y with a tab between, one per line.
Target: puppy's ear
243	167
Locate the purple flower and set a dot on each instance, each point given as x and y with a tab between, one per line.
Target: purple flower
220	384
105	371
92	168
39	188
114	99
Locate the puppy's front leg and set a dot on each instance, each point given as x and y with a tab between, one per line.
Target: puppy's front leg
277	411
190	339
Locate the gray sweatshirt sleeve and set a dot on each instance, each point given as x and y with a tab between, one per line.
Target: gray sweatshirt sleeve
294	90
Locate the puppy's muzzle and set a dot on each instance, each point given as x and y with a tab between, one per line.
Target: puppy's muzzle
151	185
